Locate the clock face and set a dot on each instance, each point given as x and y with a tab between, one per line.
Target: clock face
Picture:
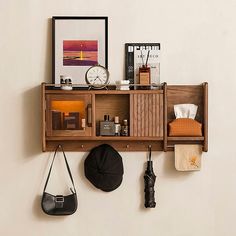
97	76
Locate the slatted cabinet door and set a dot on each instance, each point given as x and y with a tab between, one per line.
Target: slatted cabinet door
146	110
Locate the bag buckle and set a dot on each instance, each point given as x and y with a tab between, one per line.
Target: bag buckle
59	199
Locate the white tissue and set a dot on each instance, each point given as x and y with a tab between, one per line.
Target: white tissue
185	111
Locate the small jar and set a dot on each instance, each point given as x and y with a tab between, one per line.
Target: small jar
117	126
125	128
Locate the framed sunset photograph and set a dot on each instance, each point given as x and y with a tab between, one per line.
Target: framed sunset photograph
80	52
77	44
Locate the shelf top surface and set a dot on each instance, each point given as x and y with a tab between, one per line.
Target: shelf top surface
55	89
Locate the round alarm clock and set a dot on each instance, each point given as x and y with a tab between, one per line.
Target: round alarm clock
97	77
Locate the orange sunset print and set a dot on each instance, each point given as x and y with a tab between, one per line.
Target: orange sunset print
80	52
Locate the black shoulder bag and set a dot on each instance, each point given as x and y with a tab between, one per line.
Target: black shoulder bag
59	205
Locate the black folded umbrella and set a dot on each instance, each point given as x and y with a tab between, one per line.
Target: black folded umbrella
149	181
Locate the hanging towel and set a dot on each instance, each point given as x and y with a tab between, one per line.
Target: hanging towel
188	157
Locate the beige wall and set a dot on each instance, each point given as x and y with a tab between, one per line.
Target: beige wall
198	44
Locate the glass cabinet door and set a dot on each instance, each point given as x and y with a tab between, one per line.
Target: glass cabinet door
68	115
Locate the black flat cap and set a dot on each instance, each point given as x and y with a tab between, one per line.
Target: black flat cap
103	167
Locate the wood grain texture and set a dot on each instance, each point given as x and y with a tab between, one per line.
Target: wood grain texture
165	117
149	118
185	138
43	117
148	112
93	115
131	111
58	91
135	114
205	116
157	125
142	114
139	115
84	146
154	104
161	115
111	138
185	94
146	109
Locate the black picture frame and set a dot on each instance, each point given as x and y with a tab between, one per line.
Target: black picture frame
58	54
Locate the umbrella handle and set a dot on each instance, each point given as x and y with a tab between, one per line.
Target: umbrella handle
150	152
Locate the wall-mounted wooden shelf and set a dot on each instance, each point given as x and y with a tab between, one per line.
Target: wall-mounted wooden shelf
182	94
185	138
148	113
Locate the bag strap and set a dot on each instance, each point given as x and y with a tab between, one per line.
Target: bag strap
67	165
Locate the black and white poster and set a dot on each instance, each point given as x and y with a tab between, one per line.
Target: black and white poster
136	55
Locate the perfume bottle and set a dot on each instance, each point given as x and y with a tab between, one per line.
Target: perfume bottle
117	126
107	127
125	128
144	76
144	72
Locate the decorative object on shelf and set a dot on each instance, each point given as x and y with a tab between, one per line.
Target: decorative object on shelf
78	43
122	85
56	120
103	167
125	128
59	205
149	182
144	75
71	120
134	60
185	127
66	82
107	127
188	157
184	124
117	126
144	72
97	77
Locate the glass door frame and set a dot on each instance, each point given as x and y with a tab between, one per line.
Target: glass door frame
86	98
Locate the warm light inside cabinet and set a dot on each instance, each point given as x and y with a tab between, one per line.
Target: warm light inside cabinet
67	115
68	106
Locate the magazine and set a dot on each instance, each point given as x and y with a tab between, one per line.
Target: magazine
136	56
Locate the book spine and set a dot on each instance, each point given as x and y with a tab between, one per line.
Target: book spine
129	63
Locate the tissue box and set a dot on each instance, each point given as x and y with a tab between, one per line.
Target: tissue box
185	127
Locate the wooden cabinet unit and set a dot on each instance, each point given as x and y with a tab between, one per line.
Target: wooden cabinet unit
182	94
72	118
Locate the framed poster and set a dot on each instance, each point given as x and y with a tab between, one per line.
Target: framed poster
136	56
77	44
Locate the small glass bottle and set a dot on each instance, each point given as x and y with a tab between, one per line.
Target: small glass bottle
107	127
117	126
125	128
